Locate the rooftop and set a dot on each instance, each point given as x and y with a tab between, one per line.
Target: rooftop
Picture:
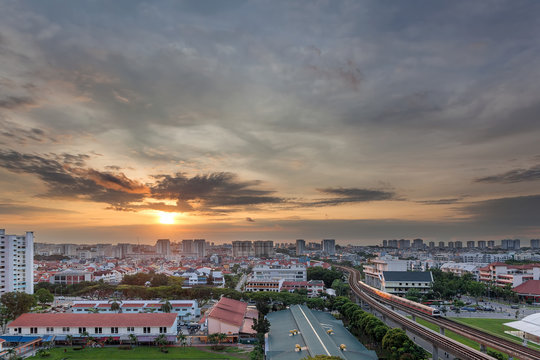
531	287
407	276
313	337
93	320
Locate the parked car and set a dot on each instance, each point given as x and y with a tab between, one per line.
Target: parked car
468	308
515	306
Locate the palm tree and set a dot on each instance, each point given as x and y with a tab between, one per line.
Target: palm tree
93	310
69	339
115	305
221	337
181	338
161	340
166	307
133	338
11	353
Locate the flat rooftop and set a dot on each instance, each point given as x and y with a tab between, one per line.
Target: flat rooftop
313	337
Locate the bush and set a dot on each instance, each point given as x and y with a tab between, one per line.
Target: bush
124	347
78	348
164	350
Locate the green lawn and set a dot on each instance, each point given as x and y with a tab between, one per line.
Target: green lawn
112	353
494	327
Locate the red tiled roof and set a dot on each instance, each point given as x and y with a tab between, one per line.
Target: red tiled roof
154	305
133	305
104	305
84	305
93	320
529	287
180	305
229	310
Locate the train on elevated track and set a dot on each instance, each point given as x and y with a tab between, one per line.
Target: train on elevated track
399	300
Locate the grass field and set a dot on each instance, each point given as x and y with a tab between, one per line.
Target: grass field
493	326
112	353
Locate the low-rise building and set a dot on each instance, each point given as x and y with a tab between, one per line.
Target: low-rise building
231	317
529	291
462	268
186	310
502	274
70	277
145	326
399	282
275	270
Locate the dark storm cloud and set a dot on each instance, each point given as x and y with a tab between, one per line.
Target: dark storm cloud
352	195
211	191
67	182
513	176
520	211
15	133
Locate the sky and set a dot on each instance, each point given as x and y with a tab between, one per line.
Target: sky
272	120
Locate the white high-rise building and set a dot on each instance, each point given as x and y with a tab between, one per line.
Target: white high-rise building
329	247
163	247
16	262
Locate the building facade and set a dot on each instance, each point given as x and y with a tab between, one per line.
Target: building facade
328	247
16	262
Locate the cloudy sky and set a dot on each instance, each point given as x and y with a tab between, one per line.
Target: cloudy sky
245	120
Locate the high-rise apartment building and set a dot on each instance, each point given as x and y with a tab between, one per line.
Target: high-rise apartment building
432	244
200	247
404	244
510	244
393	243
418	244
264	249
441	244
329	246
314	246
481	244
300	247
458	244
450	244
535	243
16	262
491	244
385	243
242	249
163	247
470	244
187	246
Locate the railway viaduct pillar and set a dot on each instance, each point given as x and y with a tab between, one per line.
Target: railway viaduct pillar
435	352
441	330
413	317
483	348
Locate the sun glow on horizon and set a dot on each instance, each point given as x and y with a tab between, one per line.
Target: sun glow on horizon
167	218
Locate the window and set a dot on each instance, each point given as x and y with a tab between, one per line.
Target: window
162	330
20	330
130	329
33	330
146	330
82	330
114	330
65	329
98	330
50	329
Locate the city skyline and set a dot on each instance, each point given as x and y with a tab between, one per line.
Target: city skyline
355	121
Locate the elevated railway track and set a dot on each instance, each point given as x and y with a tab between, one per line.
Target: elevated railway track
506	346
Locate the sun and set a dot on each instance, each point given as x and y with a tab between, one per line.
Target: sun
166	217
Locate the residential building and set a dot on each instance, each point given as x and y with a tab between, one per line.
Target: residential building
374	269
314	287
300	247
450	244
200	248
16	262
470	244
418	244
441	244
276	270
535	243
264	249
404	244
399	282
463	268
481	244
163	247
432	244
242	249
491	244
458	244
187	246
70	277
385	243
328	247
230	316
145	326
529	291
253	285
510	244
501	274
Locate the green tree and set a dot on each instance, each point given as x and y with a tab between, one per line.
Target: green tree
181	338
69	339
17	303
44	296
115	306
413	294
159	280
133	339
161	340
166	307
476	289
341	288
